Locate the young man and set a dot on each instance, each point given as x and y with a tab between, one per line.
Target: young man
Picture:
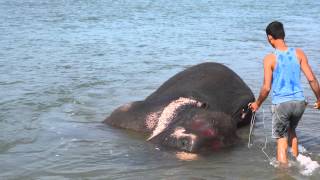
282	71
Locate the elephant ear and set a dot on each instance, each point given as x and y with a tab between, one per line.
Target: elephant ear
171	111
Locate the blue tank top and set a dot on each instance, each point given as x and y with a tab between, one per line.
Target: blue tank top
286	85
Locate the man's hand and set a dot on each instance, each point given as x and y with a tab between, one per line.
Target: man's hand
317	105
253	106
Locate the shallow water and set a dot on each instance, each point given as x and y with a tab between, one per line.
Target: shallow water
66	64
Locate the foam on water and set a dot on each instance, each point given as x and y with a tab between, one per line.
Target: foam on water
307	164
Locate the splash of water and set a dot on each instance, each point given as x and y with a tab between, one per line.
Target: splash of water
307	164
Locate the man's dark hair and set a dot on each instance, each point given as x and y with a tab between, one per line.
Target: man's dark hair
276	30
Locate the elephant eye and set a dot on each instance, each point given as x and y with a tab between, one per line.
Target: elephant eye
184	143
205	105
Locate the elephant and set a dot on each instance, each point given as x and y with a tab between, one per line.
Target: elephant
198	108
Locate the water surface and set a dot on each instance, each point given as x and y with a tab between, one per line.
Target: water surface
66	64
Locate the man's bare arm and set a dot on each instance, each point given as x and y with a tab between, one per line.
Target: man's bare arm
314	84
266	87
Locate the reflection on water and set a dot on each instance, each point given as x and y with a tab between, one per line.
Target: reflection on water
65	65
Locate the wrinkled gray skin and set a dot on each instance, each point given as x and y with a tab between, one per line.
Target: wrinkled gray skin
223	96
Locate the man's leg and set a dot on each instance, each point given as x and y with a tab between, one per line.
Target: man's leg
282	149
293	142
280	124
299	107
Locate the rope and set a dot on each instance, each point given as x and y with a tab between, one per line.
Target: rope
266	138
253	119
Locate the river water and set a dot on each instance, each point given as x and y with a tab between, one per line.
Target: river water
66	64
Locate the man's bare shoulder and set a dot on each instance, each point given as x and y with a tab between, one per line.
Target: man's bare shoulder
299	52
270	59
301	55
270	56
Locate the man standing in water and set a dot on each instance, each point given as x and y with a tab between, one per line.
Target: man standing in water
282	71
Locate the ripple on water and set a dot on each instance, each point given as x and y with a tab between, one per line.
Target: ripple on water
65	66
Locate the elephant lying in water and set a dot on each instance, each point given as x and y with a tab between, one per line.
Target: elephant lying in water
200	107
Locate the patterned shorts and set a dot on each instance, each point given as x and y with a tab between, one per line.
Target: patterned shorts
286	115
